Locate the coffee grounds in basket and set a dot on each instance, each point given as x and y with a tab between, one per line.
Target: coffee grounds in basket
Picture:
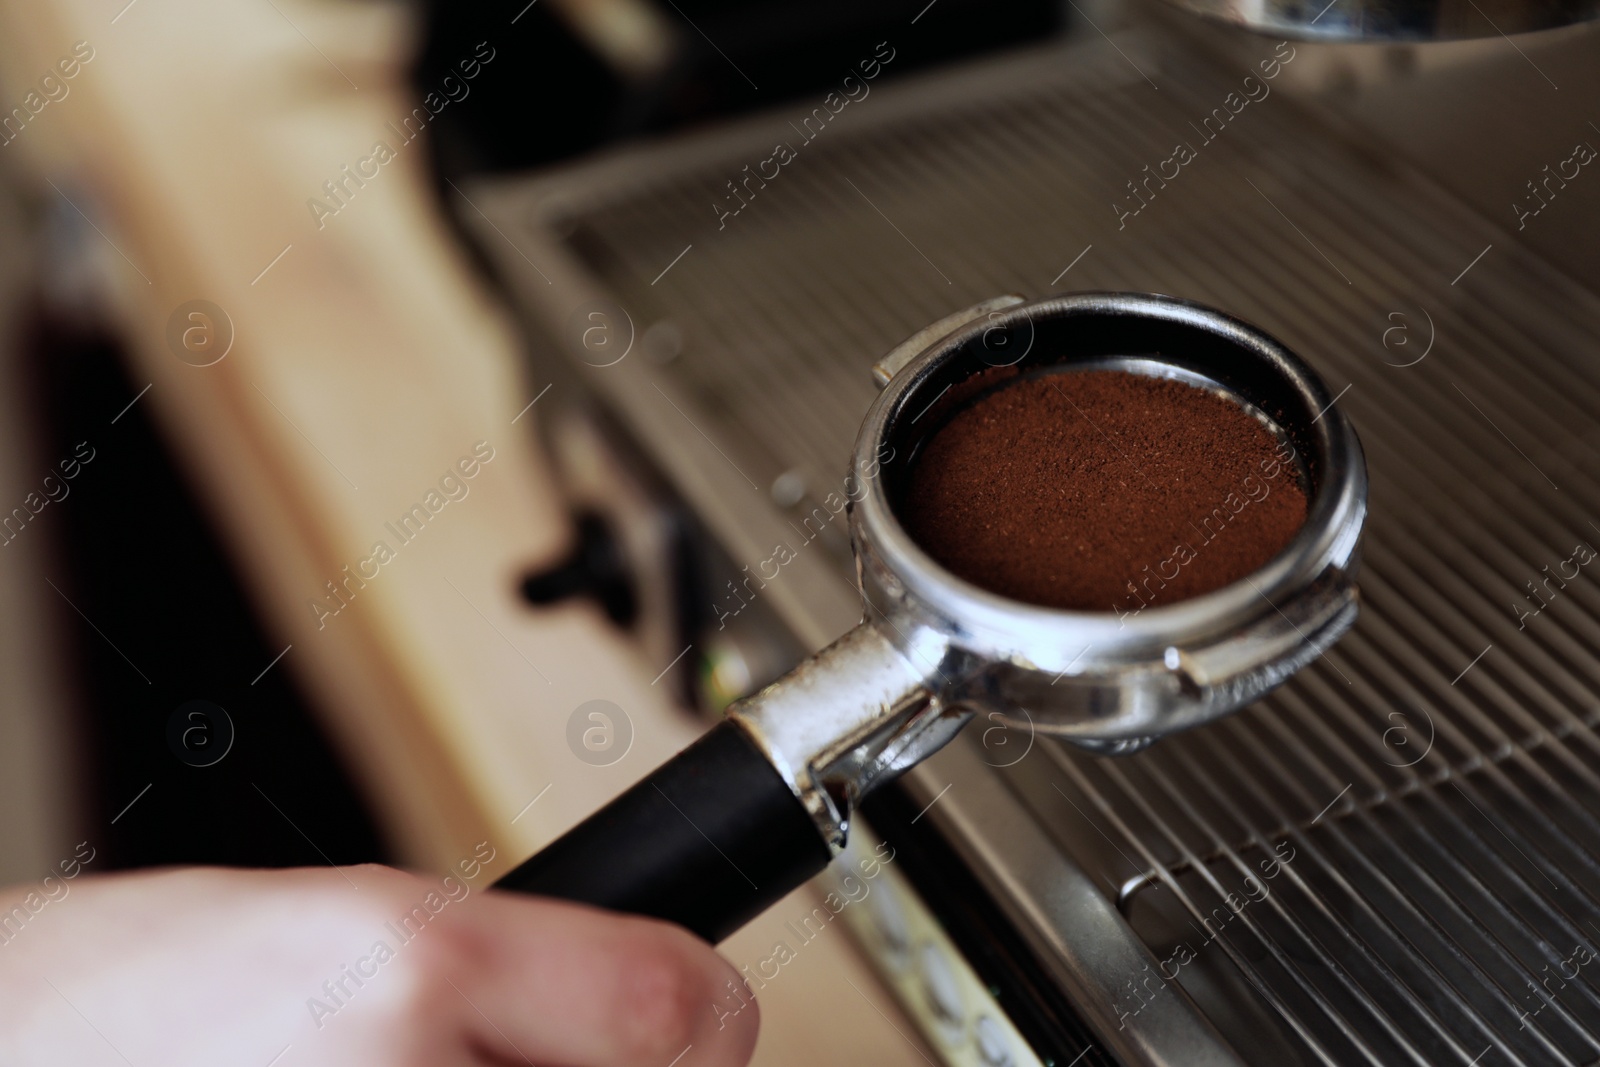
1103	491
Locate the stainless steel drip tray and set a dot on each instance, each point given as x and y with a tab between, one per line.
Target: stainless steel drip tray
1413	886
1433	775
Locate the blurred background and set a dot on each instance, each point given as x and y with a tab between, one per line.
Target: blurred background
257	341
137	601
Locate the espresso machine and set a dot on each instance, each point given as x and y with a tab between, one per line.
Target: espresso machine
1372	835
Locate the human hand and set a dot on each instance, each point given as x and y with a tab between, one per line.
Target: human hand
195	967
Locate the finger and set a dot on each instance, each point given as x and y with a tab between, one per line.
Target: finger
550	982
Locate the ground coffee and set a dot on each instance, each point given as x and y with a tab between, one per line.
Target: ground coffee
1103	491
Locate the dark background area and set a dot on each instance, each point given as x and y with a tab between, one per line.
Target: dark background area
546	96
146	570
139	557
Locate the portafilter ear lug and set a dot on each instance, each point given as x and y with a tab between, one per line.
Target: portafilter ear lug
928	336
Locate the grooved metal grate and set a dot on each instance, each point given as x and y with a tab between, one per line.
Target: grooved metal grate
1394	859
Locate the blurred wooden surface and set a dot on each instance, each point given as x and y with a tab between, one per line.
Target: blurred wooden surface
41	808
366	362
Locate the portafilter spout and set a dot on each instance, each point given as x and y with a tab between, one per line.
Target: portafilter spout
764	800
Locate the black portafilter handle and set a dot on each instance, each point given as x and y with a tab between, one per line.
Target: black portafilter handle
708	840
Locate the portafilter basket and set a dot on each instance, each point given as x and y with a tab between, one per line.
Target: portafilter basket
764	800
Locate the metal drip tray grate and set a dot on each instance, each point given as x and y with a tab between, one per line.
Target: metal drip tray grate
1432	781
1454	916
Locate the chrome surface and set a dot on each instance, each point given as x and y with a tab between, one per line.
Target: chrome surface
1082	936
1104	677
1394	20
930	335
1433	776
934	650
849	718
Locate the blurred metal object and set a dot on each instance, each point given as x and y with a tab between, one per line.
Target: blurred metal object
635	37
1394	20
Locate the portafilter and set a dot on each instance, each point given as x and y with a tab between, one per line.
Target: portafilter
764	800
